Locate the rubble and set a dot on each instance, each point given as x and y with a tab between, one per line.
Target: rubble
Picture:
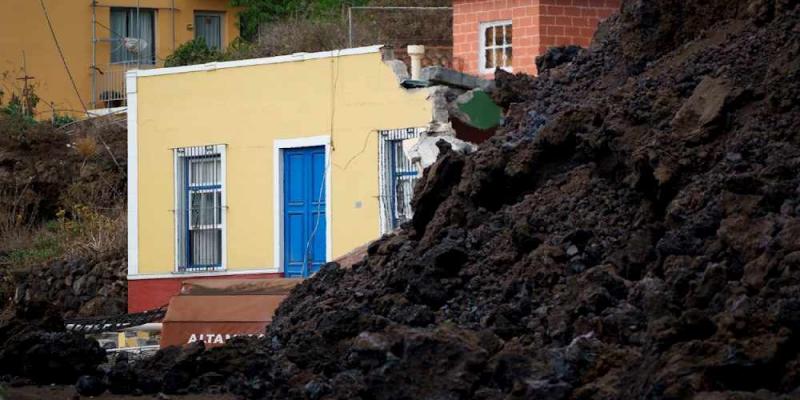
35	345
448	77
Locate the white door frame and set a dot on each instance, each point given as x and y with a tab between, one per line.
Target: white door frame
277	193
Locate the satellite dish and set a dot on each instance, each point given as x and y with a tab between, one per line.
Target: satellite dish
134	45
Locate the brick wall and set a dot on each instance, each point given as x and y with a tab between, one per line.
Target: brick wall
536	24
564	22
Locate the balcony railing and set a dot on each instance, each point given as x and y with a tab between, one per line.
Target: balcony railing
109	84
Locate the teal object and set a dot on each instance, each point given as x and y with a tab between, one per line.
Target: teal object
481	111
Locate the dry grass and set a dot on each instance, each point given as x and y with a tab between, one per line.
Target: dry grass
306	36
396	28
84	233
86	146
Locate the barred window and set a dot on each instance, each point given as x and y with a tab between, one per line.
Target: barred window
200	210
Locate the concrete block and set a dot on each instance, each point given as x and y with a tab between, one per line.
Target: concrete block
445	76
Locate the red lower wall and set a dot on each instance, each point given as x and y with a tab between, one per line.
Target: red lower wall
147	294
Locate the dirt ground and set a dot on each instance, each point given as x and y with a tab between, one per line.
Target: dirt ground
68	393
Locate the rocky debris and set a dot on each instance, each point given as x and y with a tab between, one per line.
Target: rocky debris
83	287
35	346
627	235
556	56
89	385
194	368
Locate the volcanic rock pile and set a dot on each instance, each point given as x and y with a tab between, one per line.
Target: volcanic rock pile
634	232
35	348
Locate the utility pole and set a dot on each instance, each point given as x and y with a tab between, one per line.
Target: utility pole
25	87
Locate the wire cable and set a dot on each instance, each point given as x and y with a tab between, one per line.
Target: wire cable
61	54
334	82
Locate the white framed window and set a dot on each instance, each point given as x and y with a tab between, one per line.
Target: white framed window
495	46
200	208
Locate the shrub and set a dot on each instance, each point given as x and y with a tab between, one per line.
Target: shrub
192	52
300	35
257	12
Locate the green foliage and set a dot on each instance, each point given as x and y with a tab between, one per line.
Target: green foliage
43	248
255	12
20	111
192	52
60	120
23	107
196	52
238	49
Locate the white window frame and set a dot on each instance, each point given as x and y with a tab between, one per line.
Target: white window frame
220	149
482	47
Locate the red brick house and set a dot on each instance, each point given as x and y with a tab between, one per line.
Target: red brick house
509	34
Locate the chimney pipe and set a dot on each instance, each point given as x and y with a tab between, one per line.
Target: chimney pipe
416	52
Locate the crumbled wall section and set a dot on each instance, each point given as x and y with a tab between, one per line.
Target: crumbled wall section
537	25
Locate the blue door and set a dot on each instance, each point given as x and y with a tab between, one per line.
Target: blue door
304	228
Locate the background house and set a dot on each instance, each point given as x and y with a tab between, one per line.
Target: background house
263	167
510	34
100	41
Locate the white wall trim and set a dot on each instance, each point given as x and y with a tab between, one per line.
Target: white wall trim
277	192
178	187
99	112
133	175
212	66
223	159
266	270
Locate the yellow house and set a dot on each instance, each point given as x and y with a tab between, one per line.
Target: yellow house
100	40
263	167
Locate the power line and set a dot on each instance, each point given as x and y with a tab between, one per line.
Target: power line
307	258
75	86
61	54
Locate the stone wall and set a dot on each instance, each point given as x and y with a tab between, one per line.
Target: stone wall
83	287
